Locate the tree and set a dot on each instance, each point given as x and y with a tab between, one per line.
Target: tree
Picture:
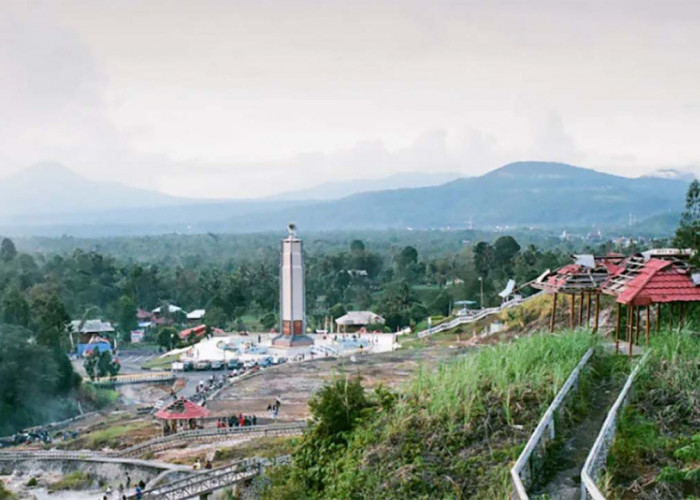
215	317
7	250
167	337
357	246
15	308
441	305
126	315
504	251
688	232
51	320
337	311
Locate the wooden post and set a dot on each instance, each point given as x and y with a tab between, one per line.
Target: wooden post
580	310
554	313
670	316
630	332
638	321
588	310
658	317
597	312
617	328
648	323
571	313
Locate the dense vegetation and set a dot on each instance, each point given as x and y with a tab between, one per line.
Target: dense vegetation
656	453
451	434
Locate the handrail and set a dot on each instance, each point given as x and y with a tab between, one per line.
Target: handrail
545	423
214	432
601	446
461	320
134	378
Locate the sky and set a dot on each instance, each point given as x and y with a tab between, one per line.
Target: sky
247	99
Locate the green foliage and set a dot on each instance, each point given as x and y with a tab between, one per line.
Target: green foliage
449	435
100	364
688	232
658	433
34	380
7	250
168	337
98	397
6	494
126	315
77	480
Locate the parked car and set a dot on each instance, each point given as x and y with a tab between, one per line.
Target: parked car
202	365
234	364
264	363
250	364
217	365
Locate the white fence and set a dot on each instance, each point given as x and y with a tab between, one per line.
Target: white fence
483	313
598	456
209	435
135	378
530	461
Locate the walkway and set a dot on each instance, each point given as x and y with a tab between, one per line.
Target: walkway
567	461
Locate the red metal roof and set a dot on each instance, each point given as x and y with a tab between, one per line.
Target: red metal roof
660	281
182	409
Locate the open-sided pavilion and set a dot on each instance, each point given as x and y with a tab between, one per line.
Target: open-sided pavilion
583	279
652	280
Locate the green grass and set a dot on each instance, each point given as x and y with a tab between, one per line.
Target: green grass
77	480
98	397
454	430
160	363
658	436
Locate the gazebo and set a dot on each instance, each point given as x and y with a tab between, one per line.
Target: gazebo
646	281
181	410
583	278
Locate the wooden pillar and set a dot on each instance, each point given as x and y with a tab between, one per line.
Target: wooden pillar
572	312
630	330
580	310
617	328
588	309
597	312
648	325
658	317
638	323
554	313
670	316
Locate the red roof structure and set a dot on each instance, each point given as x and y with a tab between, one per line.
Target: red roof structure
182	409
198	331
660	281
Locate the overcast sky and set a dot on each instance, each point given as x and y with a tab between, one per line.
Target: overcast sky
240	99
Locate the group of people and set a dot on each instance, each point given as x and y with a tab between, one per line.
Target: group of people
274	408
237	421
138	489
198	465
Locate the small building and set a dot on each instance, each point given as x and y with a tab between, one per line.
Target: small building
196	316
511	293
183	411
91	327
355	320
172	309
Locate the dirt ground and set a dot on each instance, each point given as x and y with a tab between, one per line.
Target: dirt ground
295	383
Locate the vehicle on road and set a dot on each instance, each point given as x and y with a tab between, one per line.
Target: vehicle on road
234	364
217	365
202	365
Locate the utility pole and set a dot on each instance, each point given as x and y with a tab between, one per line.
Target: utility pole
481	283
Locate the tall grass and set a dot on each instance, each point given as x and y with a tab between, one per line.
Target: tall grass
537	364
659	433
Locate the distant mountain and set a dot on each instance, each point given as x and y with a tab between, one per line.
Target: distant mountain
672	173
538	194
541	194
341	189
51	188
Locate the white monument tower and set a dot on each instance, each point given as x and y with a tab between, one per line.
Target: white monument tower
292	300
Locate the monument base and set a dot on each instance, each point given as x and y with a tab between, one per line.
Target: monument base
292	341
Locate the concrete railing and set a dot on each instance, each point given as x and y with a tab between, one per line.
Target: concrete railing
84	456
528	465
200	435
465	320
135	378
598	456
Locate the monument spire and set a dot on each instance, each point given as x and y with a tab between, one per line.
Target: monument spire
292	294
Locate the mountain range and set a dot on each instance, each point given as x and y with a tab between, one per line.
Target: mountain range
49	199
